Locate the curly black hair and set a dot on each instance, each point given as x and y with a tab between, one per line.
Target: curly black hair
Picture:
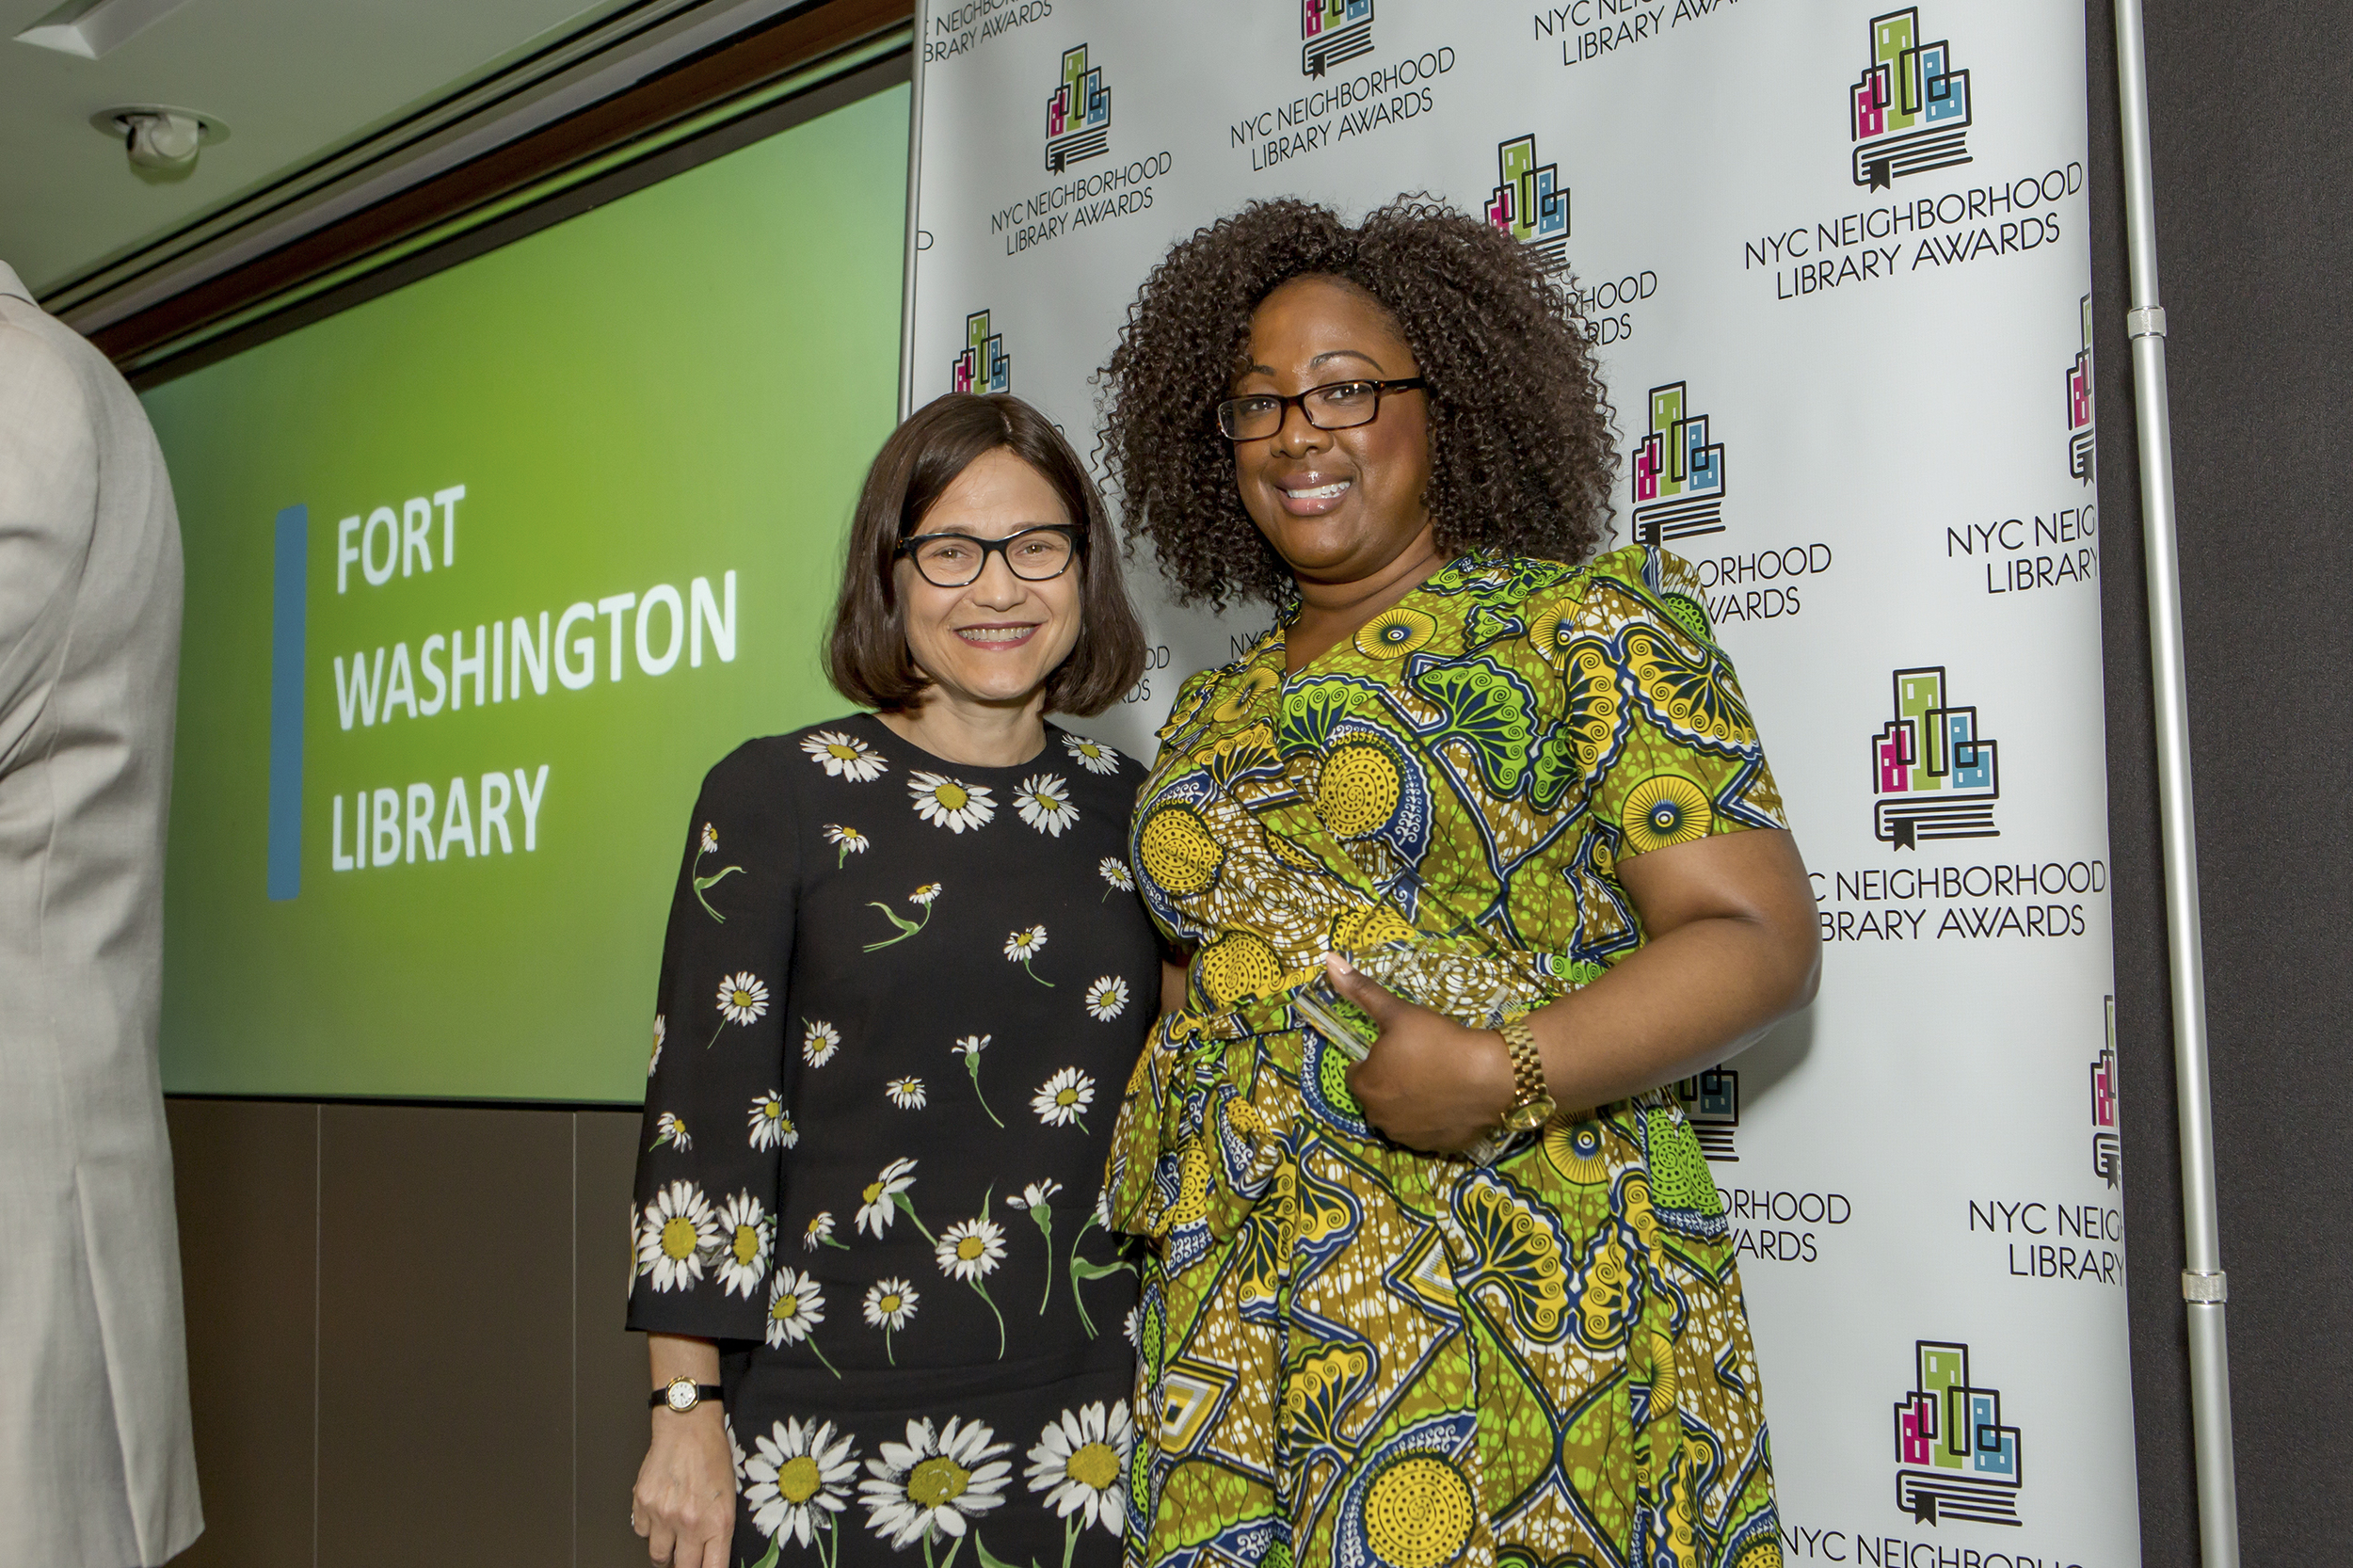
1523	450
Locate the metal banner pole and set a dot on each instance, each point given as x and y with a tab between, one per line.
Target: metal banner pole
2204	1288
915	234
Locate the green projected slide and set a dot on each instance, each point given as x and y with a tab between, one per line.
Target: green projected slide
481	577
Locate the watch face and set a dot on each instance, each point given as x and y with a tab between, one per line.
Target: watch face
1529	1118
682	1395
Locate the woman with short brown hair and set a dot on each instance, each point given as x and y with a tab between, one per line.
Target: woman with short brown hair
904	979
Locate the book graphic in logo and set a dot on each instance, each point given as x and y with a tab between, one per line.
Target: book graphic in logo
1711	1103
1530	205
1910	107
1954	1458
1678	475
2107	1146
983	366
2079	454
1935	776
1078	115
1332	32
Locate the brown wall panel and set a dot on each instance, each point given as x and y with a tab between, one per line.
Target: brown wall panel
611	1360
246	1173
445	1309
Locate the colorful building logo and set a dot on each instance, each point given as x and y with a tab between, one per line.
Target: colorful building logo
1910	107
1954	1458
1711	1103
2079	443
1078	115
1530	205
983	366
1678	474
2107	1144
1935	776
1332	32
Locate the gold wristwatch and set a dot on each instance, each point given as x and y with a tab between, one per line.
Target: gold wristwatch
1532	1104
683	1394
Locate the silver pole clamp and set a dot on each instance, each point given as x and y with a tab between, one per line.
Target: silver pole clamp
2147	322
2209	1288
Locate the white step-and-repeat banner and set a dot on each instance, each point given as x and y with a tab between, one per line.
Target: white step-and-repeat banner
1835	260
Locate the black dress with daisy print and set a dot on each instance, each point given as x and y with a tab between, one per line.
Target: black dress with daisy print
899	1000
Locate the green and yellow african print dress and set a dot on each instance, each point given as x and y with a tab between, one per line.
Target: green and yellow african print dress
1358	1355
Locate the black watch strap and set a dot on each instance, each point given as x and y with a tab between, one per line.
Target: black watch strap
661	1395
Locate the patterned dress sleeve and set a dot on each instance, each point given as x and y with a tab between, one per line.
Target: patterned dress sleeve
710	1159
1685	762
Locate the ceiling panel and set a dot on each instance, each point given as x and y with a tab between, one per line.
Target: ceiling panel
291	78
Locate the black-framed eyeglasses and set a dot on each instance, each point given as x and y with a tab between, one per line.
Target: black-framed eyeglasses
1335	406
1038	554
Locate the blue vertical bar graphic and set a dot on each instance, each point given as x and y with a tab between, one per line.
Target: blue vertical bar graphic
289	582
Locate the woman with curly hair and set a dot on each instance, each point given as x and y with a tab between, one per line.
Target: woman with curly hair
1438	1274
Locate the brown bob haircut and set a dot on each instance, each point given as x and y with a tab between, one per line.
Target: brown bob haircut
867	658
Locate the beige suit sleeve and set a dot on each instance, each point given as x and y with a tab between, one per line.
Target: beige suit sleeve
48	507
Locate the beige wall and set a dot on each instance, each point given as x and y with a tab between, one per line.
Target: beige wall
404	1337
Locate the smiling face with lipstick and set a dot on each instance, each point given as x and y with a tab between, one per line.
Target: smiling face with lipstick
1330	435
982	590
988	625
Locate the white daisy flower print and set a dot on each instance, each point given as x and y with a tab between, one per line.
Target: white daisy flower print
950	803
1133	1328
661	1033
709	846
1033	1199
819	1041
1063	1099
922	897
819	1232
1081	1464
850	841
668	1129
799	1479
743	998
970	1047
1094	756
890	1302
845	756
675	1234
882	1197
771	1128
795	1305
1107	998
1044	802
905	1093
1035	1194
934	1484
1022	946
746	1232
1115	871
971	1250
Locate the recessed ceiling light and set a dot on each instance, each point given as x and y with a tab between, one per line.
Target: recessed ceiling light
92	27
